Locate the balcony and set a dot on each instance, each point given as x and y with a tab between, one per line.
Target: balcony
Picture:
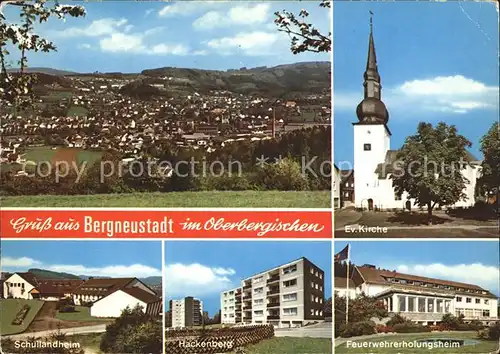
273	304
247	287
247	308
273	291
273	317
273	279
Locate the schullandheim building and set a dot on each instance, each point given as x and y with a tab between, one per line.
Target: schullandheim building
374	160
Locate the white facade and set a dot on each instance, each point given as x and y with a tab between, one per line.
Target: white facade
290	295
228	306
113	304
336	187
18	288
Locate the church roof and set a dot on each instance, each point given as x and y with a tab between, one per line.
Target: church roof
387	167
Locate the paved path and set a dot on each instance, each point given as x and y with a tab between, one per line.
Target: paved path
321	330
67	331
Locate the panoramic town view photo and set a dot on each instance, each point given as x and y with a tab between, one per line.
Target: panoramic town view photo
81	297
416	297
416	145
259	298
178	104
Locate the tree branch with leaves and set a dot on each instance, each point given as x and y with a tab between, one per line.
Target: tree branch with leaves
305	37
16	88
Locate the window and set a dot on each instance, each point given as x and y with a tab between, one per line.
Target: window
290	269
397	196
259	312
459	299
430	305
320	276
367	147
486	313
439	305
447	305
402	303
290	311
478	301
486	302
312	298
312	270
258	301
258	280
259	290
411	304
468	300
290	297
289	283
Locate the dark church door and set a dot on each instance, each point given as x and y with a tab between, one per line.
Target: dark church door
370	204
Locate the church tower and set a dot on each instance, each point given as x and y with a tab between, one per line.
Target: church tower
371	133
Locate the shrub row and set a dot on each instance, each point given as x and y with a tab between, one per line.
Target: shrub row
21	315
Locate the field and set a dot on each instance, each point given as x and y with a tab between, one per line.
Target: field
81	314
288	345
476	346
9	309
209	199
69	155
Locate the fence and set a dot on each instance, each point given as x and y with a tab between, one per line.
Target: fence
213	341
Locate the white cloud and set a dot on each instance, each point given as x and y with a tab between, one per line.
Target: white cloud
121	42
236	16
97	28
446	94
475	273
187	8
134	270
196	279
249	43
177	49
19	262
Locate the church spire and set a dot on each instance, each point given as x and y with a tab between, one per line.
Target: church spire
372	110
371	76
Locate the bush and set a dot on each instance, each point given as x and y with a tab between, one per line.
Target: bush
284	176
226	183
451	322
21	315
354	329
494	331
409	327
67	308
439	328
396	319
384	329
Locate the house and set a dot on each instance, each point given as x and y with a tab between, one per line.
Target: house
375	161
421	299
347	187
109	296
28	286
336	187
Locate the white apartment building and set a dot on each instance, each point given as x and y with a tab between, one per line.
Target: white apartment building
420	299
186	312
289	295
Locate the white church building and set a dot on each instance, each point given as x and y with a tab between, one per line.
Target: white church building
373	158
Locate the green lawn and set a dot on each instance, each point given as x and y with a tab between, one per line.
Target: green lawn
289	345
90	341
9	309
39	153
483	346
81	314
211	199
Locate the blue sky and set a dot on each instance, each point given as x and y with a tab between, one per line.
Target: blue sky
473	262
94	258
204	269
437	61
130	36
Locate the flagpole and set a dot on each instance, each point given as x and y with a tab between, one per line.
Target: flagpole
347	280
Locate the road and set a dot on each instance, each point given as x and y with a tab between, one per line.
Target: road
67	331
321	330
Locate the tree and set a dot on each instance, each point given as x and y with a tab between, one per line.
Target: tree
490	147
16	88
428	166
305	37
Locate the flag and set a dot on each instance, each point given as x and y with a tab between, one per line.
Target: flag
342	255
